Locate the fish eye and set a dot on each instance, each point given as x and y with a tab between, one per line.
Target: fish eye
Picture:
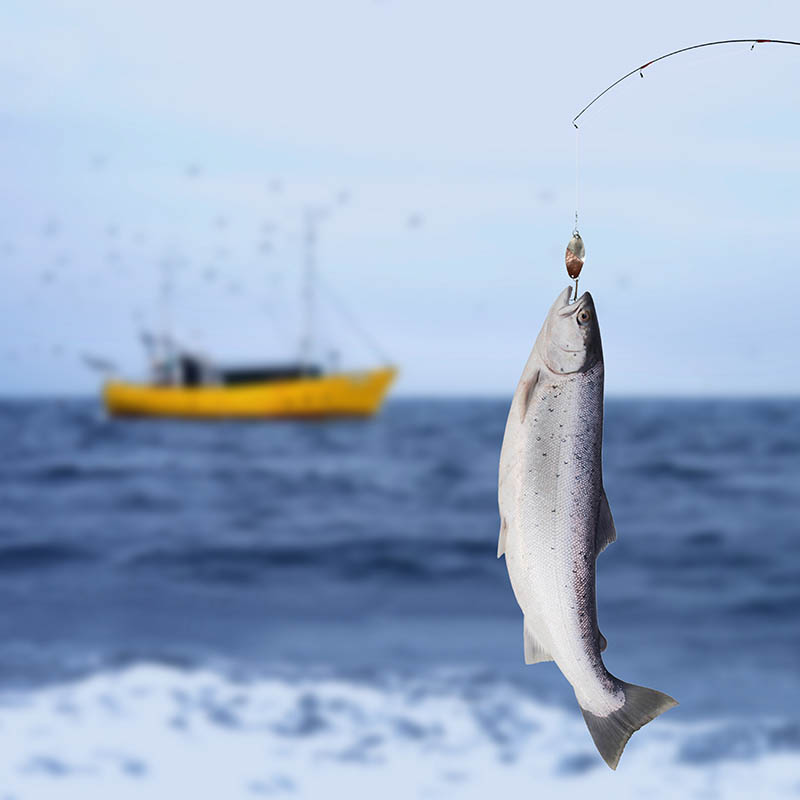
584	315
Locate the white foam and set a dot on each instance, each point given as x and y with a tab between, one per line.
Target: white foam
160	733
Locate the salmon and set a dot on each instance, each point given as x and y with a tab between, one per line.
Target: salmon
555	519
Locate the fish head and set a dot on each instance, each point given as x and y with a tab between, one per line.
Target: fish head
570	338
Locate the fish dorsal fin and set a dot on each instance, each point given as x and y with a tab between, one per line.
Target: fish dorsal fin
528	388
501	544
534	652
606	532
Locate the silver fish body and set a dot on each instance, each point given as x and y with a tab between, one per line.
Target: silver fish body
555	520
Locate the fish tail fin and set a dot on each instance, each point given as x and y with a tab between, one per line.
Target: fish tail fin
611	733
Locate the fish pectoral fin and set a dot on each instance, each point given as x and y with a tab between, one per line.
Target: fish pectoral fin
501	544
528	387
602	641
606	532
534	652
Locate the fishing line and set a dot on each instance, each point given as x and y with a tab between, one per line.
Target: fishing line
576	254
577	192
577	199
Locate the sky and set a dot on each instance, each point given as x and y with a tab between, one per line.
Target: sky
148	144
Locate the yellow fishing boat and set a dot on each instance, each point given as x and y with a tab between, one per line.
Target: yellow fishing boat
351	394
185	383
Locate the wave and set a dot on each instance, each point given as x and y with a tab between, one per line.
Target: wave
36	555
162	732
349	559
64	472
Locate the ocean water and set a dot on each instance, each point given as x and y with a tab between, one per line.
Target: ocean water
247	610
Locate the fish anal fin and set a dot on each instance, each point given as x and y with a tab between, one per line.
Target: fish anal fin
534	652
528	388
501	543
606	532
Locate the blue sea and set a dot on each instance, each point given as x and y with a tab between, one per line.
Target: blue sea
315	610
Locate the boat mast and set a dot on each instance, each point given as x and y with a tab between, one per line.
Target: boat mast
309	279
164	341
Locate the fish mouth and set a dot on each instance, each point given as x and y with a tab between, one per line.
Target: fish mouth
574	308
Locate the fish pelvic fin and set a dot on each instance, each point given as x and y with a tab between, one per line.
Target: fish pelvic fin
605	532
611	733
501	542
534	652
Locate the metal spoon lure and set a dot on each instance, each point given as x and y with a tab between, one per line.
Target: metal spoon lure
575	258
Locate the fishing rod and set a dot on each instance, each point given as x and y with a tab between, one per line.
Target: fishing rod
643	67
576	251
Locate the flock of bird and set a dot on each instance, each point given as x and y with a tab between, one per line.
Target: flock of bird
50	263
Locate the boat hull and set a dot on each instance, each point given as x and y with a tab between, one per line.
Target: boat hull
345	394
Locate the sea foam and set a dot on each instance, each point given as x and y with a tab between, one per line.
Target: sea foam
152	731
